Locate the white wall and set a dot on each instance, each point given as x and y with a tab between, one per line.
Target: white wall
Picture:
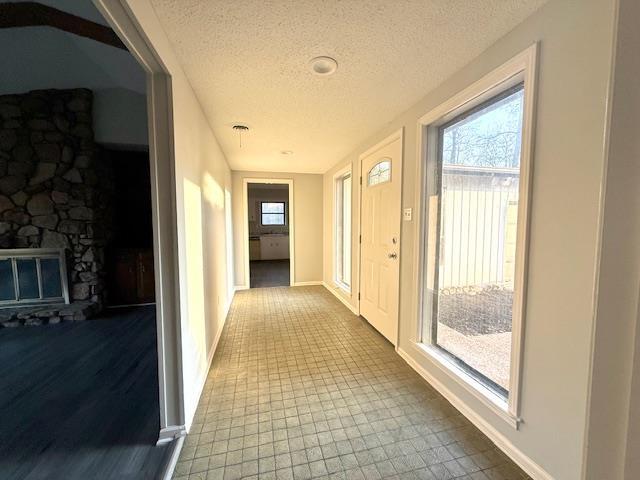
44	57
575	60
613	448
120	117
203	190
307	224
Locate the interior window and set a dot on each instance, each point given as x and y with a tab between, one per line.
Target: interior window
379	173
343	231
468	314
272	213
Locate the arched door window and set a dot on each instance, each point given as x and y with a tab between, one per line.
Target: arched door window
379	173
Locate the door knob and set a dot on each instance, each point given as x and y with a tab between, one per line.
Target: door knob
393	255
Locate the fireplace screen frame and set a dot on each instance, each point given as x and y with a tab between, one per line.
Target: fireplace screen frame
36	254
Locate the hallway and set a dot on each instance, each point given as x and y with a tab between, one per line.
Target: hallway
301	388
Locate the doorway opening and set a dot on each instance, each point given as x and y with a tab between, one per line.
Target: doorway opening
59	213
269	233
129	254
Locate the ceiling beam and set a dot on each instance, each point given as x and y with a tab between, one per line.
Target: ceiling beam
33	14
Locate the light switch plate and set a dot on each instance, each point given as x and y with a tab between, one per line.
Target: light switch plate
407	214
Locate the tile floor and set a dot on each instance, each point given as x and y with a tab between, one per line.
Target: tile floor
269	273
301	388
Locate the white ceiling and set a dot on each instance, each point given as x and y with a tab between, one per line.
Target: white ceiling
248	63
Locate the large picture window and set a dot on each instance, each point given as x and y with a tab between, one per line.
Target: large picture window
272	213
479	170
476	177
343	230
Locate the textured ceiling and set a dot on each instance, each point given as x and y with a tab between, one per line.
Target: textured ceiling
248	63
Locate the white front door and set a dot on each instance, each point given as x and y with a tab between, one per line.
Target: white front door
381	171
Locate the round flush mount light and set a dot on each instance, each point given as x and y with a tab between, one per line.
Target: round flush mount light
323	66
286	152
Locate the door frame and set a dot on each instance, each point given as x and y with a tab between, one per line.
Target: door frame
397	135
245	225
164	214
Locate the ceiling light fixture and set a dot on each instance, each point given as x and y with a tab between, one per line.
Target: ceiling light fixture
287	152
323	66
240	129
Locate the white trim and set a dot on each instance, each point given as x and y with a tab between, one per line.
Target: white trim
170	466
491	400
521	68
237	288
336	293
163	205
381	144
245	227
502	442
307	284
169	434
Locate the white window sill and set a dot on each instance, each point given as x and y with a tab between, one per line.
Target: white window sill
344	288
490	399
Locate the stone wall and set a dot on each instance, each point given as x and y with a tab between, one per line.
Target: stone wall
54	191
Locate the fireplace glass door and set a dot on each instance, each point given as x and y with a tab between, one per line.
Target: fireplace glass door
31	276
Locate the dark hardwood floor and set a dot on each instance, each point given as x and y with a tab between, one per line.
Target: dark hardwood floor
269	273
79	400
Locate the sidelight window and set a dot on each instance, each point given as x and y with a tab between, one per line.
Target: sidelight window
342	227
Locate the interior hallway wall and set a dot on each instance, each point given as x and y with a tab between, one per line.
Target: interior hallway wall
573	83
307	224
613	429
203	190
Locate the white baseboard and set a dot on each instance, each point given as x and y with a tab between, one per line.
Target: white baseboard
171	433
353	309
203	378
237	288
170	466
502	442
307	284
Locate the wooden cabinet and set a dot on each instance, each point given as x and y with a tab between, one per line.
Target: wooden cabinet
274	247
132	279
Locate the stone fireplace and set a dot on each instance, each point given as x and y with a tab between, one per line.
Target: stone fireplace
54	191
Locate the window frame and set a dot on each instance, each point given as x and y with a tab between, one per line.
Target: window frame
337	214
520	69
284	214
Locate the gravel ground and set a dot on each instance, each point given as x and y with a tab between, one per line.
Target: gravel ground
478	312
488	354
475	326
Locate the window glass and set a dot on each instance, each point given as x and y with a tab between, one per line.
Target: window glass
343	230
7	286
273	213
50	274
28	278
472	291
379	173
